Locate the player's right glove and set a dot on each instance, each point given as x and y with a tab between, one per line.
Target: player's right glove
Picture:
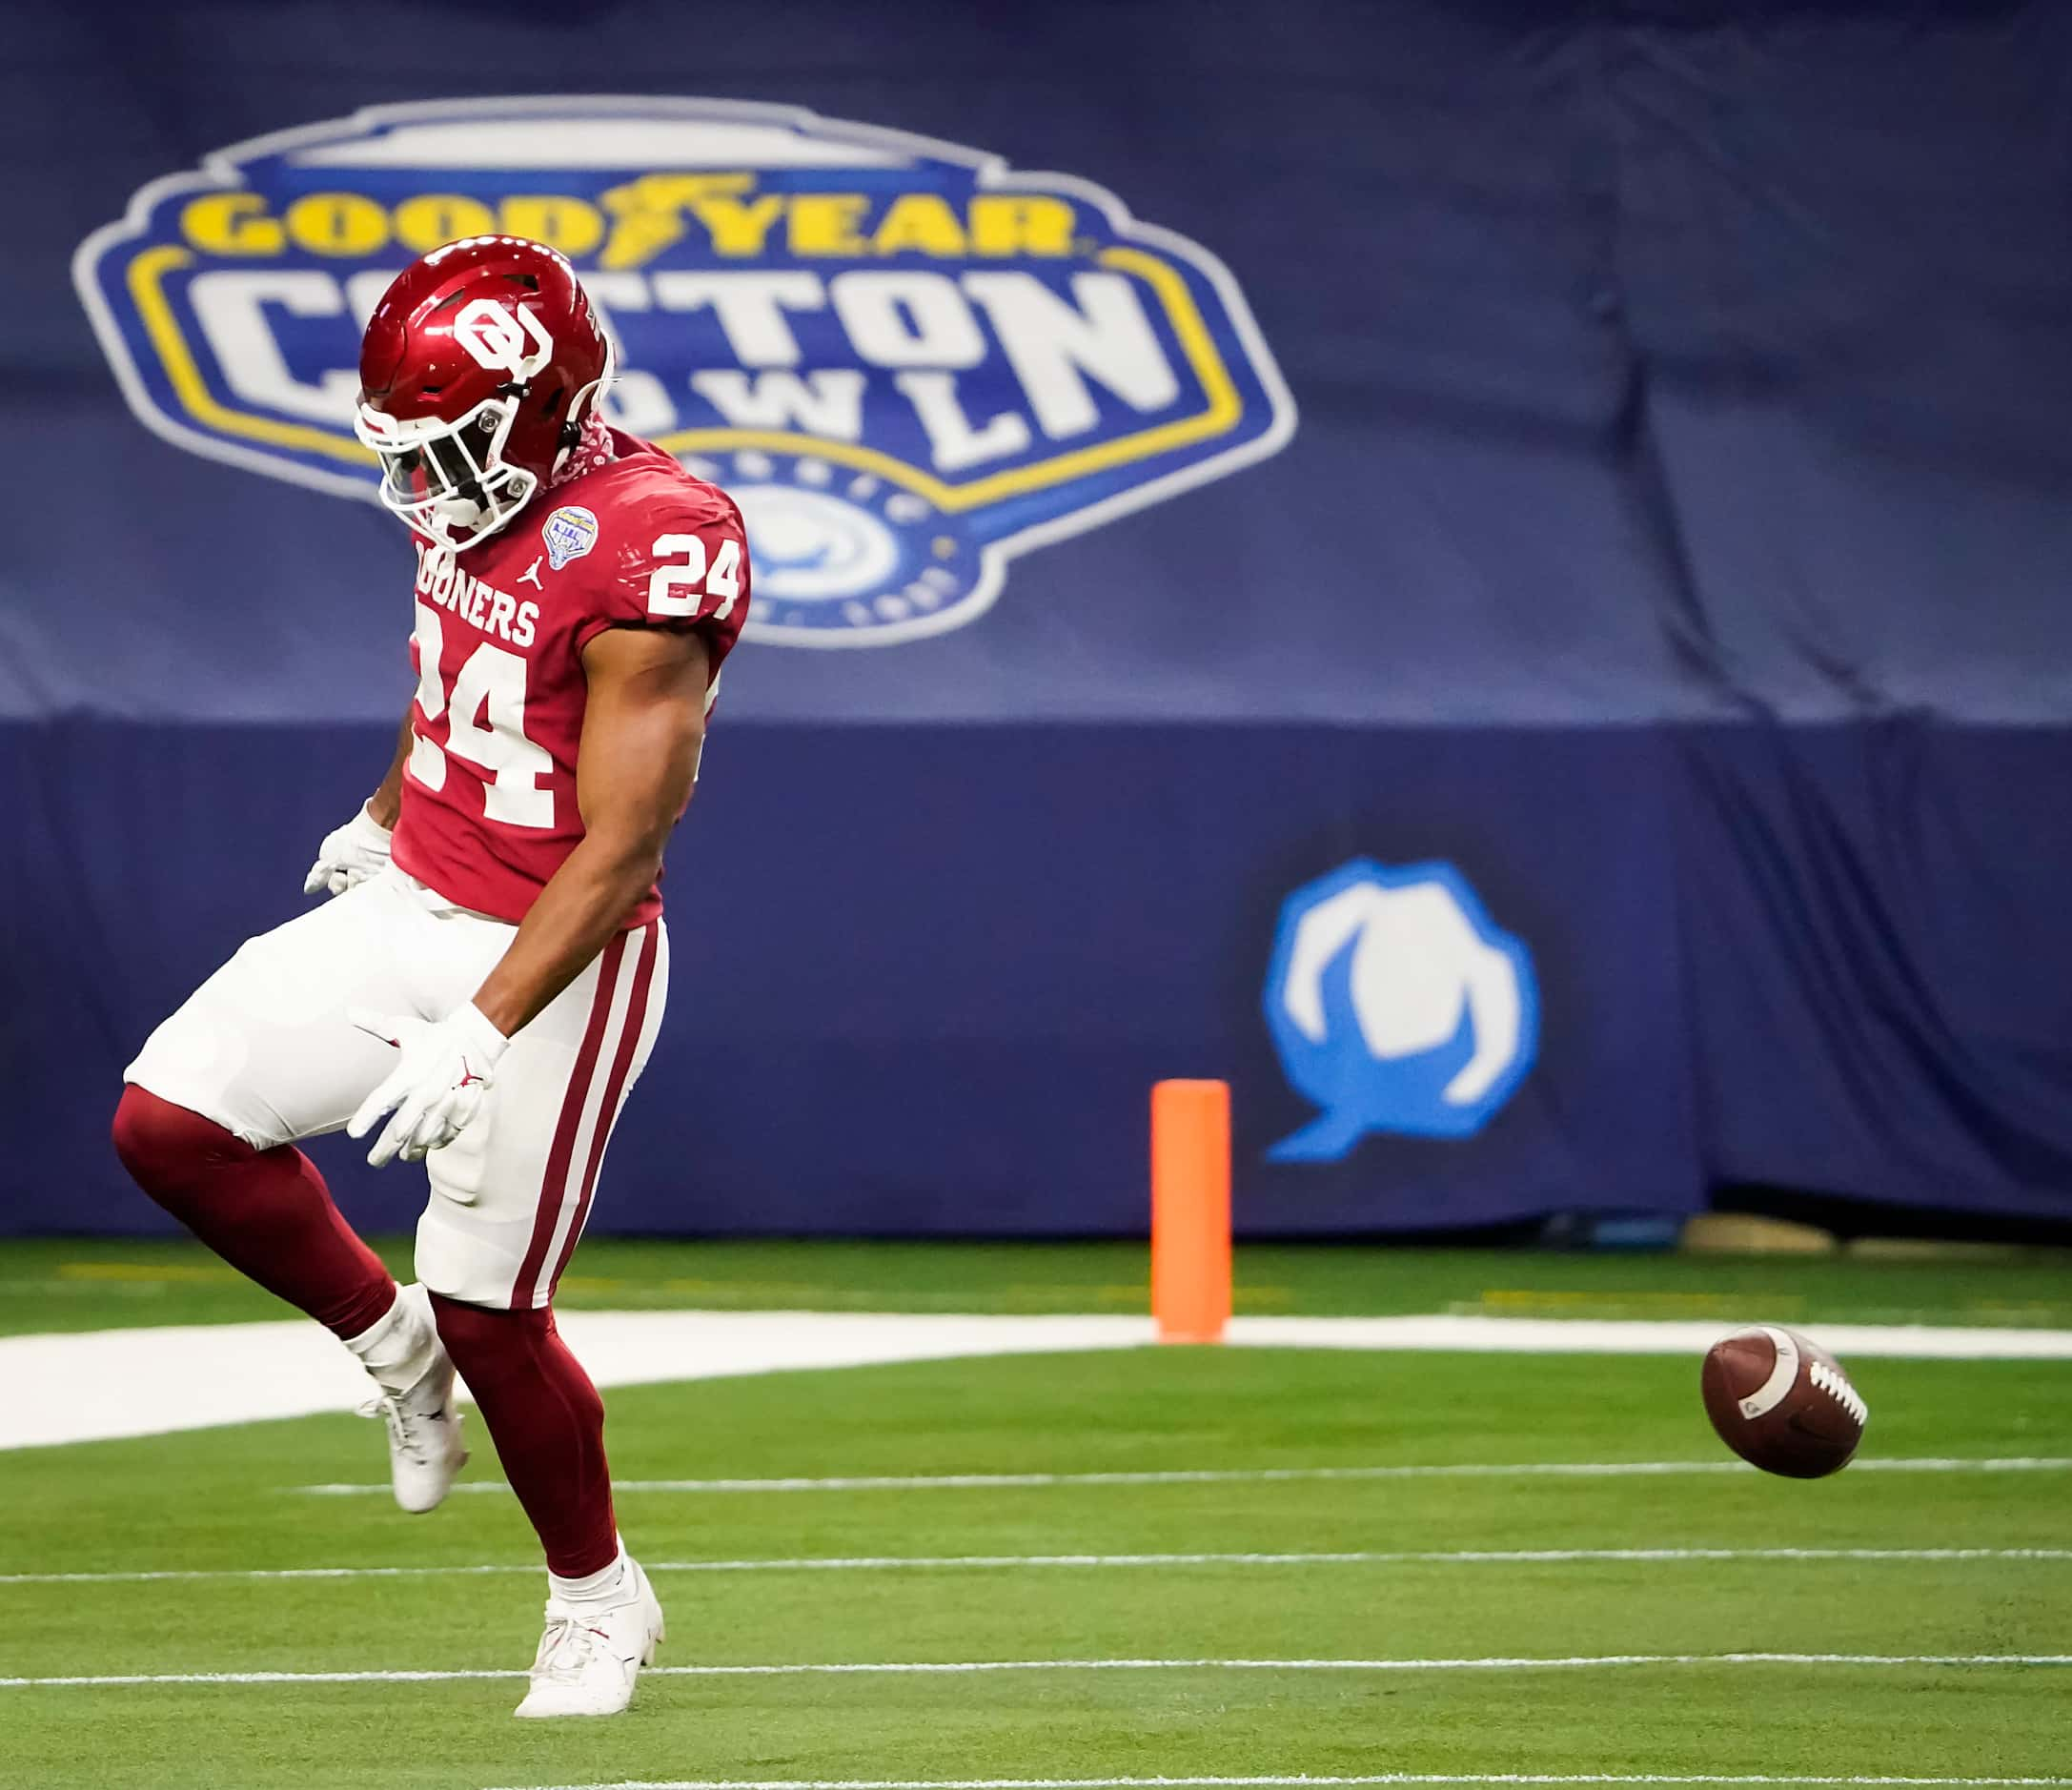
357	851
437	1085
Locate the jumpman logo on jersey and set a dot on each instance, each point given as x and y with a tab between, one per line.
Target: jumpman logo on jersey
531	575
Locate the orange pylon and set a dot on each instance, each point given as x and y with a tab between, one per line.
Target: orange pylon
1191	1210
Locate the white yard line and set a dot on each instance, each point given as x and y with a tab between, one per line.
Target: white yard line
1249	1475
101	1384
1297	1782
990	1562
969	1667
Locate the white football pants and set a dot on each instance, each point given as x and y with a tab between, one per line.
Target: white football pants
265	1049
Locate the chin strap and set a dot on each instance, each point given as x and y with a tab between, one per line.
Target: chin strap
593	451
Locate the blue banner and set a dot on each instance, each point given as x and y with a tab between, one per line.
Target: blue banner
1494	576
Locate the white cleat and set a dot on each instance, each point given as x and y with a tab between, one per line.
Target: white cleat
425	1450
589	1659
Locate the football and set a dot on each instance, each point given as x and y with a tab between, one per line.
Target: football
1782	1402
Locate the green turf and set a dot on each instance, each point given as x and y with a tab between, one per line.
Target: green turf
72	1285
223	1499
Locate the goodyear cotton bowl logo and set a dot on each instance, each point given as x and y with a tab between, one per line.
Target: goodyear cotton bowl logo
569	533
908	361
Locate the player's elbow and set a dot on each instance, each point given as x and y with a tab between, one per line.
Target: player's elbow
633	842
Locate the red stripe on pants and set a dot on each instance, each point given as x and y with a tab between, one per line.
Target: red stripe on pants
629	1040
554	1184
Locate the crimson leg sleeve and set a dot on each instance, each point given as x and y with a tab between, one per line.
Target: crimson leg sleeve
267	1213
548	1424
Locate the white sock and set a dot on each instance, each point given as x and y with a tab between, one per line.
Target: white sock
397	1347
602	1589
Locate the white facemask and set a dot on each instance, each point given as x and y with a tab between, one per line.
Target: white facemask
448	481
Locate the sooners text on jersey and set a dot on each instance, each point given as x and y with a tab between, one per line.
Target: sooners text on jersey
489	791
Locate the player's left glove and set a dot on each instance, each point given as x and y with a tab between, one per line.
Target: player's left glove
435	1089
350	854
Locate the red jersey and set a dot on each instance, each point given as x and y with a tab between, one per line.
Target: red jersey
489	790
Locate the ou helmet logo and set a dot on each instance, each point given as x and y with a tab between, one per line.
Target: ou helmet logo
496	339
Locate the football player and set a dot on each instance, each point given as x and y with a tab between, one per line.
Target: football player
490	973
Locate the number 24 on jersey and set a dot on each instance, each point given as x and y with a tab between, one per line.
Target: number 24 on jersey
493	679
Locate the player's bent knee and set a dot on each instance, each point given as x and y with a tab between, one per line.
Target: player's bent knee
166	1148
171	1153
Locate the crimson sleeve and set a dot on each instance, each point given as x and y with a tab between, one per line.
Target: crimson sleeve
682	569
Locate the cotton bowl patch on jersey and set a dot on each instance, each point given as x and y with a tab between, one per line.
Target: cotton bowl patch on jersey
909	361
568	534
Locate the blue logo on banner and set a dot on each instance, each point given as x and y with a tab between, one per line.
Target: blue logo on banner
1396	1004
908	361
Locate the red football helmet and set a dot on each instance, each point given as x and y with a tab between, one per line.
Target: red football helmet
479	367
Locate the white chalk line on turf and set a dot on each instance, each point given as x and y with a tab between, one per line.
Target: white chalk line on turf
957	1668
993	1563
1272	1783
96	1385
1245	1475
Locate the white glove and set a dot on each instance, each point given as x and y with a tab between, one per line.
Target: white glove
436	1089
352	854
